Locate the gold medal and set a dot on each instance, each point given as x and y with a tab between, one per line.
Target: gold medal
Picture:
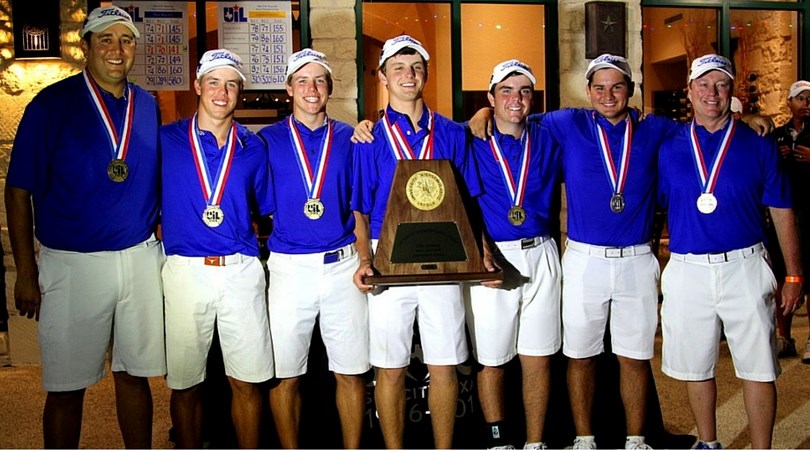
313	209
213	216
517	215
425	190
118	170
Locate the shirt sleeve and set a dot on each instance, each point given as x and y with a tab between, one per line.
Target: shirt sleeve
777	191
29	154
364	175
263	184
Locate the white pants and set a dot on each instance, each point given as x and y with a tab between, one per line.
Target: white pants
701	294
89	299
607	282
522	317
303	287
198	296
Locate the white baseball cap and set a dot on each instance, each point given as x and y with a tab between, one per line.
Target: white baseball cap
608	61
798	87
393	45
736	105
214	59
301	58
103	17
707	63
504	69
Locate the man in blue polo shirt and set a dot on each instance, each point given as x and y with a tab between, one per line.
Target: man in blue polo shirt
214	180
715	178
519	166
313	257
610	272
609	164
92	175
409	130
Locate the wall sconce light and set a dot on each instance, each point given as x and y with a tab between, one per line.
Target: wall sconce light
36	29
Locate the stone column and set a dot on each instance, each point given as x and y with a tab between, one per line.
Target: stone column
572	51
333	28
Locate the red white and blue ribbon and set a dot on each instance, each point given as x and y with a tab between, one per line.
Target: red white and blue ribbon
212	193
708	179
400	146
313	180
617	178
516	190
118	143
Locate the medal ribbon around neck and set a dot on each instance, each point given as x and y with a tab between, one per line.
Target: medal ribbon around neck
400	146
516	193
313	182
119	146
708	180
212	197
617	178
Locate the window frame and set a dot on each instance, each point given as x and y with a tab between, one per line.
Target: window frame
552	57
724	7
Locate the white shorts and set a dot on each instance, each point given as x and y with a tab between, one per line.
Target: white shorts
301	288
523	316
700	294
230	295
439	312
620	283
89	299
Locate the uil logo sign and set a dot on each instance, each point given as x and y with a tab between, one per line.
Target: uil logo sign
234	14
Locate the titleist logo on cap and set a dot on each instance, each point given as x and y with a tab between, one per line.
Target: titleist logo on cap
113	12
224	55
307	53
609	59
404	38
712	59
515	63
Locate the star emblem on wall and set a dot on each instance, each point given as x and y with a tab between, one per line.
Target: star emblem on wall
608	24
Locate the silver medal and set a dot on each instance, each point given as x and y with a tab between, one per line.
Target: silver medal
213	216
707	203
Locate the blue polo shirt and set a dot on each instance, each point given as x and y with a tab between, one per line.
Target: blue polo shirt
184	232
587	186
751	178
375	163
293	232
543	176
60	155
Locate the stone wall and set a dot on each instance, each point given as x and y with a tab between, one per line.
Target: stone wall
766	48
573	63
333	28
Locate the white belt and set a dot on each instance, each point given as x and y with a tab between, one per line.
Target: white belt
226	260
722	257
609	252
522	243
339	254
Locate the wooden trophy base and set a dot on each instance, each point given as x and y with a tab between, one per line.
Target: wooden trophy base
426	236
